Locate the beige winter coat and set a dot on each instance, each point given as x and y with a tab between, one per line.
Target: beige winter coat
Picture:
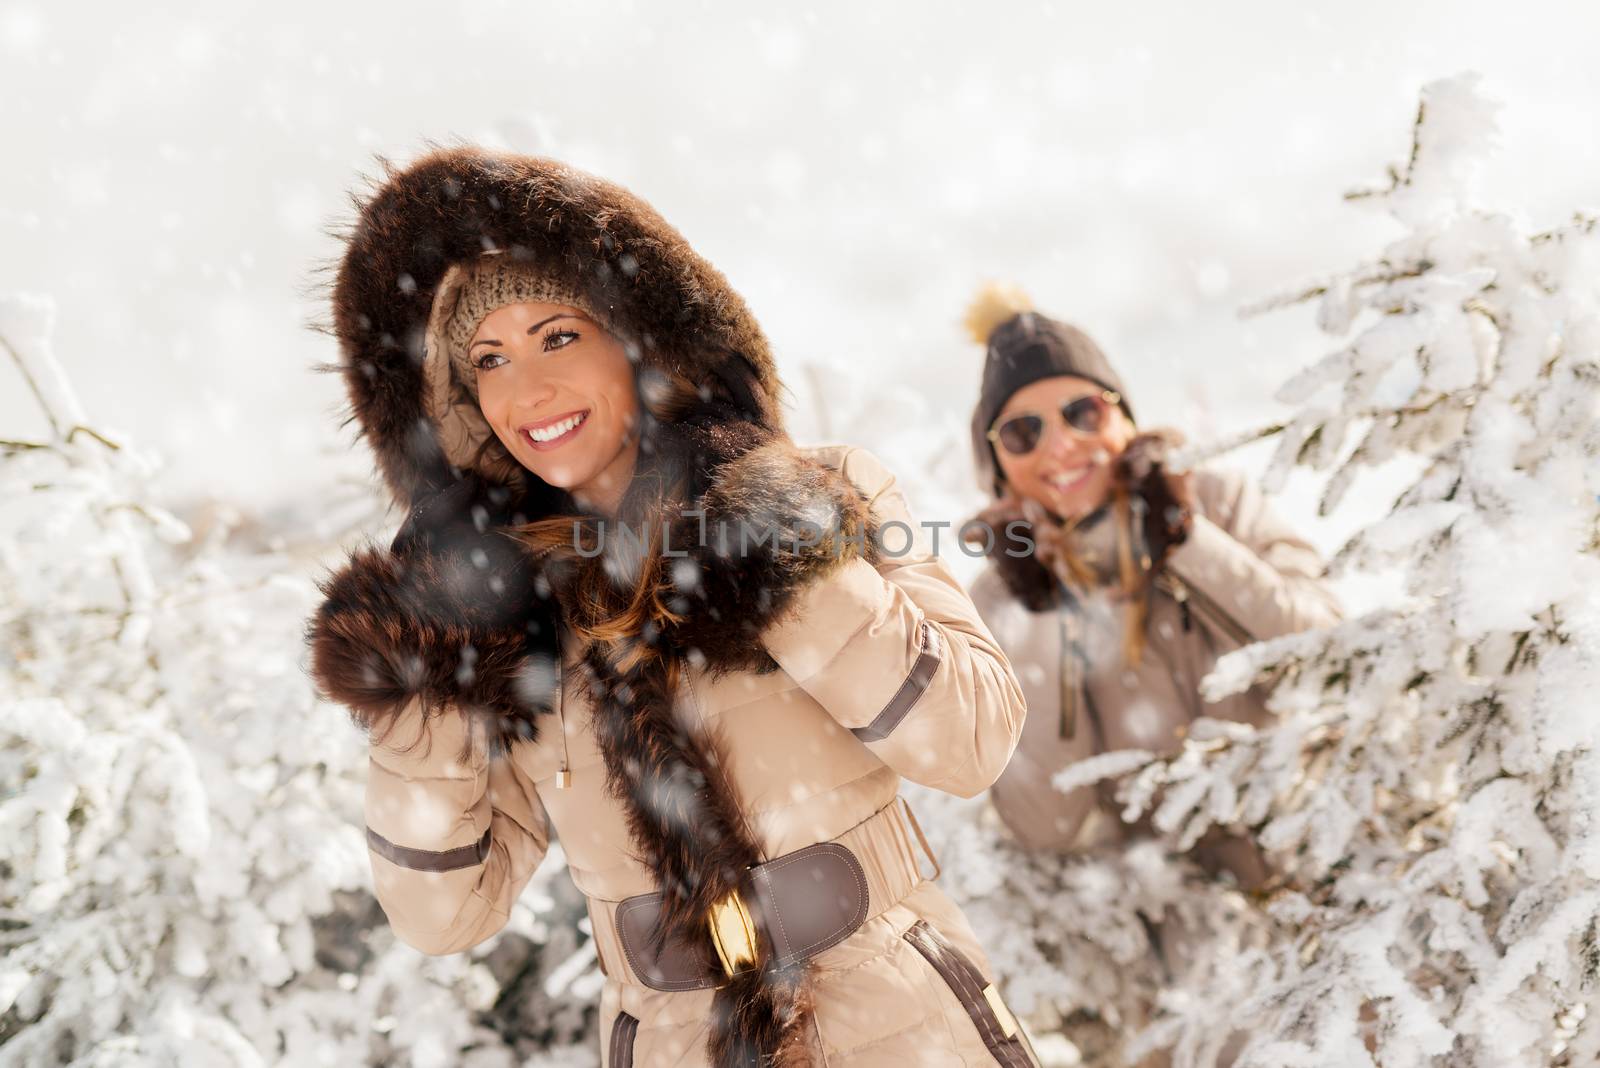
1245	574
801	778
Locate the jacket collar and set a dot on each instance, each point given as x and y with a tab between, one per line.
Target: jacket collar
1094	541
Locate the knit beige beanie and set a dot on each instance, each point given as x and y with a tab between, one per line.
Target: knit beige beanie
467	294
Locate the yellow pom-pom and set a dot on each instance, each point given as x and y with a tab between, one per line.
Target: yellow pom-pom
995	303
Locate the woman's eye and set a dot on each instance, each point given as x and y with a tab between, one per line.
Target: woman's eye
559	339
483	363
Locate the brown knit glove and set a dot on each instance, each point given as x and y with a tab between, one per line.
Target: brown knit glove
1001	511
1165	499
1048	534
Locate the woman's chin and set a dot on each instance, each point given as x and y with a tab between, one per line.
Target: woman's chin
1078	504
563	474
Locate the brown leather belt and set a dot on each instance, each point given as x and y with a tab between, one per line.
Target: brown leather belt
805	902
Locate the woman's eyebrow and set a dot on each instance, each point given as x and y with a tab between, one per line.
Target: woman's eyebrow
551	320
531	329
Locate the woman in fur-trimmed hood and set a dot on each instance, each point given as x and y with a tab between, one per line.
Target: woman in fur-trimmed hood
625	607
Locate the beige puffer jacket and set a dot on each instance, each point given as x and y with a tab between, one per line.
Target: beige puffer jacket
908	987
1242	575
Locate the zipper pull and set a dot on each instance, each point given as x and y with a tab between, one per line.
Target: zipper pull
1180	593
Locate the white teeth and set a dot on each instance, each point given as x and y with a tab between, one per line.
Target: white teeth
1067	478
555	430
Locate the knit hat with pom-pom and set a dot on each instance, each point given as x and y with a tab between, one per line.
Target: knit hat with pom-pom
1023	347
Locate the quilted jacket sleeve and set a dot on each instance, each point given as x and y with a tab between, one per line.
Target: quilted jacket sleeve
1253	571
898	655
452	844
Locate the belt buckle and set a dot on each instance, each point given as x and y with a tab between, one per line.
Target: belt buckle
733	933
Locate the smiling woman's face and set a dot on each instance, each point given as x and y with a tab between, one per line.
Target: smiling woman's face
1068	470
558	391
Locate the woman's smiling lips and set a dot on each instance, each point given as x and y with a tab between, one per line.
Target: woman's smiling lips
1067	481
553	433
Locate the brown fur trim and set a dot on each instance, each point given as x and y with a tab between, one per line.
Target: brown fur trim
392	630
693	836
774	521
760	1019
1028	580
688	826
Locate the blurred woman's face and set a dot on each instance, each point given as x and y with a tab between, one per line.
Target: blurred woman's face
558	390
1067	468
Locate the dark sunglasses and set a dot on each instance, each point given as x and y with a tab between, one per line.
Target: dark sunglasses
1021	434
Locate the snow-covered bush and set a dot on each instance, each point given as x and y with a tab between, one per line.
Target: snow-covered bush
182	865
1103	954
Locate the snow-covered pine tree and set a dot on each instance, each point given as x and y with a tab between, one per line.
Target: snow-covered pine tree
182	869
1432	781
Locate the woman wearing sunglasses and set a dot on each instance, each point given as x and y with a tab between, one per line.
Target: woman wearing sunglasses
1137	581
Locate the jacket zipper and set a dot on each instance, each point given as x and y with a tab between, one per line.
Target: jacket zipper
1071	682
563	774
1184	593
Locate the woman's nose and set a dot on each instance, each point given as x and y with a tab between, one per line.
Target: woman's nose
531	389
1061	444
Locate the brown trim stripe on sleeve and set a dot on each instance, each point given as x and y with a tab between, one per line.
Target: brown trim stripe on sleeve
915	685
623	1032
428	859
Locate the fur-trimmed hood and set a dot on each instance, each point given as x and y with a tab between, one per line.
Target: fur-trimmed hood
457	613
447	582
673	310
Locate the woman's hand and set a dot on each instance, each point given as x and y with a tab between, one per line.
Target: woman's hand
459	532
452	614
1167	498
1051	536
1044	530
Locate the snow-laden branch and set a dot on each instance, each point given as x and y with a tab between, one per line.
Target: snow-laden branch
1431	783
